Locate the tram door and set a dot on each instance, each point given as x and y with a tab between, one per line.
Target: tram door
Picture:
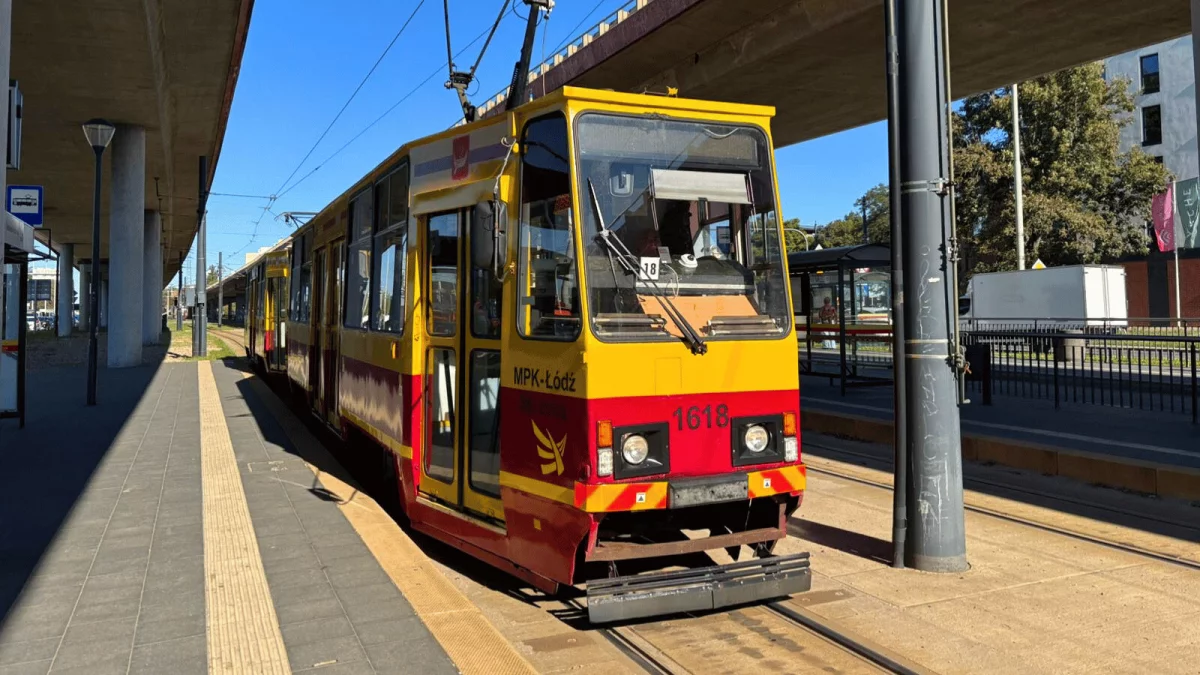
251	313
332	319
320	330
461	458
279	322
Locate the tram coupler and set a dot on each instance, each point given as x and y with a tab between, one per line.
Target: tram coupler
638	596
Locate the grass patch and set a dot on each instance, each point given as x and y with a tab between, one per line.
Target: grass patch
180	344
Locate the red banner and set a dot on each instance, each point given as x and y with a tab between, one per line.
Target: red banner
1163	210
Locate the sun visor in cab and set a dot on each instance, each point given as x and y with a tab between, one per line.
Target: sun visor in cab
690	186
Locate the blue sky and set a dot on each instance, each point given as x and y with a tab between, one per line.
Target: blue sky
304	58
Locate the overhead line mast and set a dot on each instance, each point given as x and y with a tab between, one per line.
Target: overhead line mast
520	79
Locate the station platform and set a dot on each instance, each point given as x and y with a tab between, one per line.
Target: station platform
192	522
1146	451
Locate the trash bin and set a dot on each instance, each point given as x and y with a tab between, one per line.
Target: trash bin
979	368
1069	349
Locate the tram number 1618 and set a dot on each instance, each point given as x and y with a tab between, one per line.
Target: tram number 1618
696	417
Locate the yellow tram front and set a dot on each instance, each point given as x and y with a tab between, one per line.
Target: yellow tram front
625	356
267	293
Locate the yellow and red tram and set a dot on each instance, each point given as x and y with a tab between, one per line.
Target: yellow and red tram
570	327
266	317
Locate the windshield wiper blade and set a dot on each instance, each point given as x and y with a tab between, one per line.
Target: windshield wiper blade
629	262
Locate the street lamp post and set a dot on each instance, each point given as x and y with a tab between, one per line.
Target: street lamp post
802	234
99	134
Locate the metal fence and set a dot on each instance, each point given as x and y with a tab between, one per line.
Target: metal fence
857	353
1146	371
1131	327
1143	364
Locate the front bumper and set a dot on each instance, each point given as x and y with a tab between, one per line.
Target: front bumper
693	590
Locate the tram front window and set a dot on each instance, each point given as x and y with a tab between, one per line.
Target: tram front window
694	245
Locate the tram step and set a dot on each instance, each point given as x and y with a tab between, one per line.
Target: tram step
693	590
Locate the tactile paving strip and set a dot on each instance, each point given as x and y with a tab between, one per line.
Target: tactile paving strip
470	640
243	631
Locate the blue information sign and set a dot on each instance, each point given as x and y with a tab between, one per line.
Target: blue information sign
25	202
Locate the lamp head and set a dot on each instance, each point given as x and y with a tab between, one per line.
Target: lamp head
99	133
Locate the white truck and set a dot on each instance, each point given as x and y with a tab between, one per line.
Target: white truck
1075	295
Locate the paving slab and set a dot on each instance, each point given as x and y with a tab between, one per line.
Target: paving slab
1034	601
336	606
79	531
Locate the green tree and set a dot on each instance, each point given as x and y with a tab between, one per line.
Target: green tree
212	276
1085	201
848	230
795	237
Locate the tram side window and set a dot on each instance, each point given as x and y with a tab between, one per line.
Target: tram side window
358	263
303	281
297	256
549	302
443	265
390	242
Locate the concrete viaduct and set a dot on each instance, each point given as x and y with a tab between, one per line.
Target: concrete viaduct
162	71
821	62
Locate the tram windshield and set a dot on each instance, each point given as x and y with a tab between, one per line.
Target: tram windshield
687	239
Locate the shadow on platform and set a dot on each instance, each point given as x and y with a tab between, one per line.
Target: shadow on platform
359	462
48	464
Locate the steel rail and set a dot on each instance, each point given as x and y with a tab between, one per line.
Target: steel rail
843	640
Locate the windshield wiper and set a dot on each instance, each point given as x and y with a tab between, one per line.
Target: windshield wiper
630	264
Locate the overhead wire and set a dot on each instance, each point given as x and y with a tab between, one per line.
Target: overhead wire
354	93
271	199
379	119
491	34
449	51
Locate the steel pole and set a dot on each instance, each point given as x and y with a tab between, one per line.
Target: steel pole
899	400
935	505
196	296
1018	179
94	290
866	233
220	287
179	299
200	320
1178	300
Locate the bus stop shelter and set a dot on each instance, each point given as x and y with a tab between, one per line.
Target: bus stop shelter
843	304
18	251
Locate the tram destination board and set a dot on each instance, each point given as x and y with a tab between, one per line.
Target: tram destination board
713	490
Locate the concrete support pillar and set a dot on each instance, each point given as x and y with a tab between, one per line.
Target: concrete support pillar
85	287
152	284
66	289
126	237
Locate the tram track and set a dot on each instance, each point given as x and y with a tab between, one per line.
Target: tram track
1022	520
650	658
230	338
867	652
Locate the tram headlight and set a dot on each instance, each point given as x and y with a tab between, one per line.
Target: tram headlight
791	449
756	438
635	449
